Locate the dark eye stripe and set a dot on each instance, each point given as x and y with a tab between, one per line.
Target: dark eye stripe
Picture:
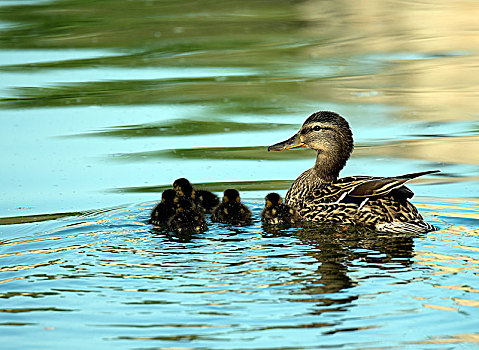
305	131
311	129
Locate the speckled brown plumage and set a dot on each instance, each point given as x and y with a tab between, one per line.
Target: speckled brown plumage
231	210
163	210
206	201
319	195
187	220
276	212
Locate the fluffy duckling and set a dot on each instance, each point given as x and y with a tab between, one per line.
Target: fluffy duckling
187	219
183	188
205	200
231	210
163	210
277	213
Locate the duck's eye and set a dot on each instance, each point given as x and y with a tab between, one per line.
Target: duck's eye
316	128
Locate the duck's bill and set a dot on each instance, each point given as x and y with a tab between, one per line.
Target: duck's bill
292	142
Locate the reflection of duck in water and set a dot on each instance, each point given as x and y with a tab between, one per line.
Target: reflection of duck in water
187	219
231	210
206	200
165	209
337	252
277	213
318	195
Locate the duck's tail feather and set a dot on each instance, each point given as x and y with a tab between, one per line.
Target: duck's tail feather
382	186
414	175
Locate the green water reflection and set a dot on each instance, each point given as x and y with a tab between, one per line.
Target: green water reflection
186	127
304	52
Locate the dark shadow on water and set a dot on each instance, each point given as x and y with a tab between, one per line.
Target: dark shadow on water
259	185
13	220
336	251
25	219
171	236
340	250
359	244
278	230
185	127
264	94
233	153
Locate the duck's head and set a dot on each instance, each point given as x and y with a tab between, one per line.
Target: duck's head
231	195
321	131
273	199
183	188
168	196
327	133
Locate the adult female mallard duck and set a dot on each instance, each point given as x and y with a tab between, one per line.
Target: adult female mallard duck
319	195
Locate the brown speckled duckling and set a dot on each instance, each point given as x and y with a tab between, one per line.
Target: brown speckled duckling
319	195
163	210
205	200
231	210
187	219
277	213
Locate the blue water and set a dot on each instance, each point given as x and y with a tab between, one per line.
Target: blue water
109	280
104	104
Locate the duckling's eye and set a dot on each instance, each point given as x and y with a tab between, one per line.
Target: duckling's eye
316	128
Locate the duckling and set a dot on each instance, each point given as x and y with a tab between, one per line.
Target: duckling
231	210
163	210
187	219
183	188
277	213
205	200
319	195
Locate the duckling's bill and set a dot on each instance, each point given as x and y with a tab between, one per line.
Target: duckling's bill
293	142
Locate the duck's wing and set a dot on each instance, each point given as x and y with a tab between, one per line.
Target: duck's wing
377	187
338	189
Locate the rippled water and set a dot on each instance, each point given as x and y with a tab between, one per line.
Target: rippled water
114	278
103	104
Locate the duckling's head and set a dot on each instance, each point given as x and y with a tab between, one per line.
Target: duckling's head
183	188
327	133
168	196
231	195
273	199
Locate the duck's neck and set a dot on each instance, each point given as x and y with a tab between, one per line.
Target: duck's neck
328	165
